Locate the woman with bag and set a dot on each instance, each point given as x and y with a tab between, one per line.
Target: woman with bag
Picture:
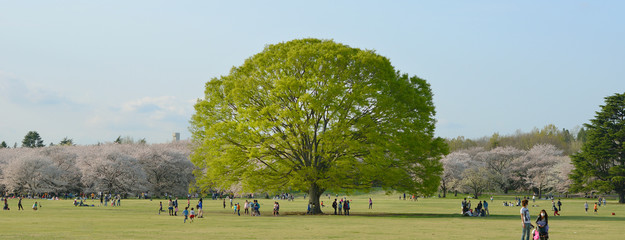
542	224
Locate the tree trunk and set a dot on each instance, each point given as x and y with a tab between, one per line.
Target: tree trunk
621	197
313	198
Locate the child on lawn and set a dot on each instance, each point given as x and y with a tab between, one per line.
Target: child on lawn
192	214
186	214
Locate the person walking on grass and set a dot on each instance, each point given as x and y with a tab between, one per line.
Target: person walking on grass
224	203
19	204
526	221
334	206
192	215
276	209
370	204
559	206
586	206
186	214
161	208
595	208
555	209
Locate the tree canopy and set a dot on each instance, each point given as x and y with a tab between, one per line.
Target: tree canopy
601	163
315	115
32	140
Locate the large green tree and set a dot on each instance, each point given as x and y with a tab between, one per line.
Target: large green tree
315	115
32	140
600	166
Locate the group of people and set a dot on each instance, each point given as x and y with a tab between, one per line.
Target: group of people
542	223
188	214
557	207
343	206
115	200
597	203
410	197
6	207
481	210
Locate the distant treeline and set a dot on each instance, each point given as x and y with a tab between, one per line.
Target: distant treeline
569	141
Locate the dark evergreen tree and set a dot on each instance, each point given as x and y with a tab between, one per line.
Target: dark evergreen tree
581	135
32	140
600	166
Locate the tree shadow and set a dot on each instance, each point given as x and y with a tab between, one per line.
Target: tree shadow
457	215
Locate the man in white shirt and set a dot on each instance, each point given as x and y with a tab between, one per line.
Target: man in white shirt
525	219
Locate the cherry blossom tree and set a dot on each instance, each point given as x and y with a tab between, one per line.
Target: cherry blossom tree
31	173
475	180
545	168
118	168
168	171
454	164
113	172
499	163
64	159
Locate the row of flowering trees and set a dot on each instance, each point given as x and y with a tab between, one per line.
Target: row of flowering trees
110	168
543	168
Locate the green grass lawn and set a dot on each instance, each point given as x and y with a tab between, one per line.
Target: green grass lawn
390	218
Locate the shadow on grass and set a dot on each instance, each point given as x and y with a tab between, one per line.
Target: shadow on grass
457	215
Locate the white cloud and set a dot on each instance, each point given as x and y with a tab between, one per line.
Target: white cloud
17	91
144	116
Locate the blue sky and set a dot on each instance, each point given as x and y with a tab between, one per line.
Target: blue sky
95	70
